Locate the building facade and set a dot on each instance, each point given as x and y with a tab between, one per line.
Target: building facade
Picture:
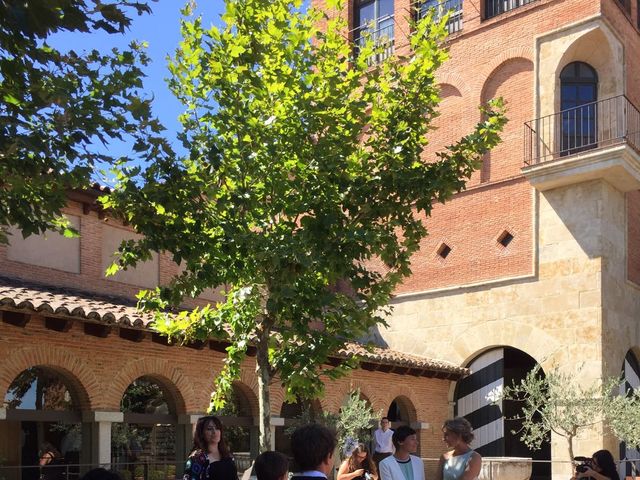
537	261
82	370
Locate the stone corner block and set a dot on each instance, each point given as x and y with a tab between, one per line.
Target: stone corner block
114	417
189	419
277	422
420	425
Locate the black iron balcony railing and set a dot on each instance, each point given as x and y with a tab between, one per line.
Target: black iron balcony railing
593	125
382	38
454	7
493	8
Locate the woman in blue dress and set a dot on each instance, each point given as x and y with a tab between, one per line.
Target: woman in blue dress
461	462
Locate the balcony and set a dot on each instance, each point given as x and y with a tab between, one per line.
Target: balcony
453	7
493	8
595	140
382	38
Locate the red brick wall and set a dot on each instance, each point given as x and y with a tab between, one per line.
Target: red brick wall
470	224
100	369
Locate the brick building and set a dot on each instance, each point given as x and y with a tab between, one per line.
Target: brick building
537	261
81	370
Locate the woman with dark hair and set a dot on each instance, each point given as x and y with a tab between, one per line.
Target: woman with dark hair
461	462
51	462
358	465
210	458
603	467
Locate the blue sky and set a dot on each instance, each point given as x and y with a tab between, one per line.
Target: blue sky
162	32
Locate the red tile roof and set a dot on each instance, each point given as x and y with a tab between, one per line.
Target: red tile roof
44	299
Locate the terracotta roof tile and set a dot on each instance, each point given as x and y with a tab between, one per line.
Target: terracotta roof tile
24	295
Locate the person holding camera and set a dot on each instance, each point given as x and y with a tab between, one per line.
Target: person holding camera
359	466
600	467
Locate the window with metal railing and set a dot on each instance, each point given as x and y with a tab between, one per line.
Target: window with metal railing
494	8
441	7
374	21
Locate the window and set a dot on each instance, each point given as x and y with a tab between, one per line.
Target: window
374	20
578	95
493	8
441	7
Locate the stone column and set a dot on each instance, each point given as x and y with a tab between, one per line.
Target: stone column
96	437
419	426
275	422
3	413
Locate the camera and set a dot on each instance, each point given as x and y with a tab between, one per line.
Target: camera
583	465
367	475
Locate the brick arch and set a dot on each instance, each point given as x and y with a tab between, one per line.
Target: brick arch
249	396
456	81
74	368
499	74
407	398
172	379
367	391
447	90
512	80
522	53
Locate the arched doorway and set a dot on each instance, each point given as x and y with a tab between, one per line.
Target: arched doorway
490	372
631	381
578	94
294	414
43	409
147	436
401	411
237	417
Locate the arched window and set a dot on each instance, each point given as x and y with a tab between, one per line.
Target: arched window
578	94
374	19
42	409
148	432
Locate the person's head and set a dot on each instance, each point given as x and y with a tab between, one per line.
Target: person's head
456	430
101	474
271	466
46	447
312	447
385	423
404	439
208	433
602	462
361	458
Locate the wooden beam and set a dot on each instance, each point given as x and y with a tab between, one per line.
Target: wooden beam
131	334
218	346
19	415
58	324
17	319
160	339
196	344
371	367
97	330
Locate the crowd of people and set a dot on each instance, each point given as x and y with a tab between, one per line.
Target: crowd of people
313	448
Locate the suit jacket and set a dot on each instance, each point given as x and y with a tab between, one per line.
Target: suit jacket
390	470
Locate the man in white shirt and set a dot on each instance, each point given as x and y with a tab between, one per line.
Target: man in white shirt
383	441
402	465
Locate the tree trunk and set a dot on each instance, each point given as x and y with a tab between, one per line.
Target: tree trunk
264	400
570	440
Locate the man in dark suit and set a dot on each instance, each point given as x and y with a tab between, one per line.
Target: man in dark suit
312	446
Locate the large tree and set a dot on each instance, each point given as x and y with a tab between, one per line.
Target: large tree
304	193
59	110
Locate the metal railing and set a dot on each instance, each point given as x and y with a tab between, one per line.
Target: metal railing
454	7
590	126
493	8
164	470
382	38
148	470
